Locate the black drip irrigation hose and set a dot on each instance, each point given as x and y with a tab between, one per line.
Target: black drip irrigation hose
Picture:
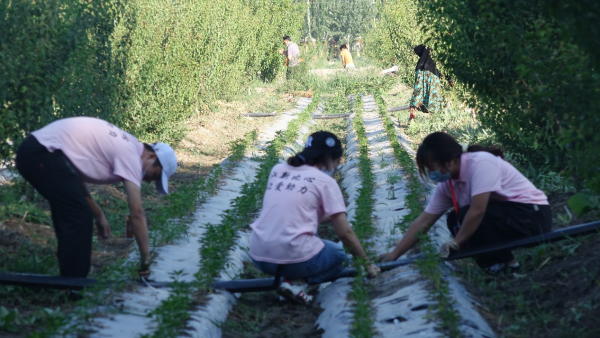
268	284
259	114
393	109
329	116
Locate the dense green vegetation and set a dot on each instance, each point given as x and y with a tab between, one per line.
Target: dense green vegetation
528	67
146	66
341	20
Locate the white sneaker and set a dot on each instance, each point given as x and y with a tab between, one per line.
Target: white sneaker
294	293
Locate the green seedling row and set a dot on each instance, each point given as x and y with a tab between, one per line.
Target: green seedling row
363	325
218	240
429	266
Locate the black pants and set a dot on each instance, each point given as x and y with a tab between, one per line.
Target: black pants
504	221
55	178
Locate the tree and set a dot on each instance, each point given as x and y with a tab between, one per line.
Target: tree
340	19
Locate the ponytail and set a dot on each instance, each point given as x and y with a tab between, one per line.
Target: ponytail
494	150
318	157
296	161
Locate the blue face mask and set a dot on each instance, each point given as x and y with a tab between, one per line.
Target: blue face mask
330	173
438	177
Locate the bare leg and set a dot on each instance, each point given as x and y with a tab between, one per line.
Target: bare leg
413	110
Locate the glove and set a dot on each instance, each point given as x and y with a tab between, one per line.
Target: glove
446	247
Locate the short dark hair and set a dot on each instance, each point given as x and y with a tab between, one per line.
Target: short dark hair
343	46
287	37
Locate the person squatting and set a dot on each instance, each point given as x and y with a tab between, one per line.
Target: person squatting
491	201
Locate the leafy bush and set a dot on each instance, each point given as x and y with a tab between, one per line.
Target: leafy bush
523	64
144	65
393	38
56	60
184	54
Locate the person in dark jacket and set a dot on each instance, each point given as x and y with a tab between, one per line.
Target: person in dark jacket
426	94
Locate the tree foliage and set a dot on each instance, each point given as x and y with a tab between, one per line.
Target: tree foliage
56	60
144	65
529	71
340	19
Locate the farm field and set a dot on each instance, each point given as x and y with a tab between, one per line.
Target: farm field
200	232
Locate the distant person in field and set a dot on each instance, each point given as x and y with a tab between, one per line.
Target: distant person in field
62	157
489	199
426	94
292	56
347	61
300	195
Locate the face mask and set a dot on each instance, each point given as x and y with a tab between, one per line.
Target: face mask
438	177
330	173
144	170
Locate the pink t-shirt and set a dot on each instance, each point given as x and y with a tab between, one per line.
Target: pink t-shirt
295	201
101	152
482	172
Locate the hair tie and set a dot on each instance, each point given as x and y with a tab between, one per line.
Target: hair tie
302	158
464	147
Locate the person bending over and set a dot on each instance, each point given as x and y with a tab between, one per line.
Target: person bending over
491	201
61	157
426	91
301	194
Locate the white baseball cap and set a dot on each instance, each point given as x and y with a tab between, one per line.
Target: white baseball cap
168	160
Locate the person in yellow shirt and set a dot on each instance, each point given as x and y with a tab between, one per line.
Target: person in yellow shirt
346	57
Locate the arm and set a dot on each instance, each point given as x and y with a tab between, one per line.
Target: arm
138	220
88	196
325	219
101	221
473	217
420	225
348	237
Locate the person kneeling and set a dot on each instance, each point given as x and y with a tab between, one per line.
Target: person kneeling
299	196
492	201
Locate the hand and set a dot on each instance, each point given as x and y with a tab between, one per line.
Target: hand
446	247
373	270
103	227
144	273
280	51
387	257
